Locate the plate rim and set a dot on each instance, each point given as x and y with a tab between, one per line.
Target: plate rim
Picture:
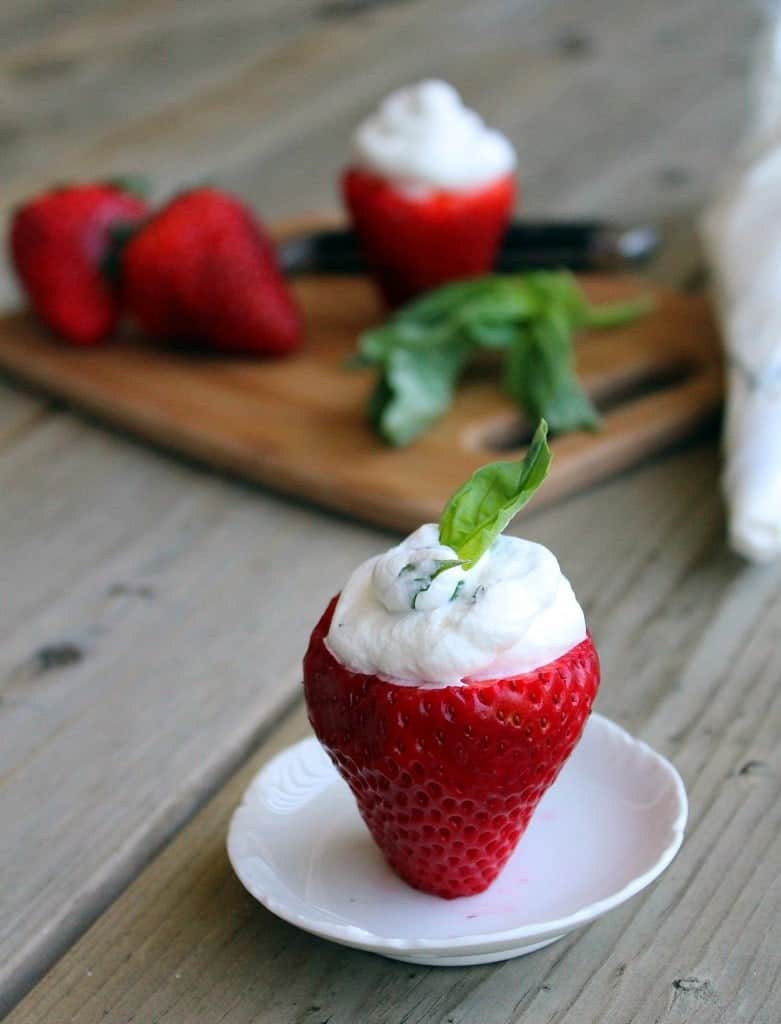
355	935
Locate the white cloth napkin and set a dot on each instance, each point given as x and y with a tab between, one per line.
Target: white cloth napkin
742	235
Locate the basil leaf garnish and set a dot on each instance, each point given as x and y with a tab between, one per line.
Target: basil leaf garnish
482	507
414	389
539	375
421	351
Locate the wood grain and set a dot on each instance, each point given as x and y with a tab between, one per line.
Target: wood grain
19	412
138	661
186	943
262	97
617	109
300	425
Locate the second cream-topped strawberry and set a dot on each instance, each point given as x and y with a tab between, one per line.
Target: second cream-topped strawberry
430	189
451	680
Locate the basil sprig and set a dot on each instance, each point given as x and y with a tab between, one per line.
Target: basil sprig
421	352
482	507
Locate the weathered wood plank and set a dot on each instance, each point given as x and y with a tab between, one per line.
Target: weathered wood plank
185	943
134	672
19	412
518	65
52	82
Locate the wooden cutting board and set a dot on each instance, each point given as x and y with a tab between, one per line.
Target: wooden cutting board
299	425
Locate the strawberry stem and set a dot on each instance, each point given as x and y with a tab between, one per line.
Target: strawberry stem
134	184
118	237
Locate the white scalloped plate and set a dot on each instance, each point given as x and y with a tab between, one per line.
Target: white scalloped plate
610	824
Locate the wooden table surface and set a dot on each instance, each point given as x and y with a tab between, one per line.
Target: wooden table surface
154	613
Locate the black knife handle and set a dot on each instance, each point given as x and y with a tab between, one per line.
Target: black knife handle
581	245
570	236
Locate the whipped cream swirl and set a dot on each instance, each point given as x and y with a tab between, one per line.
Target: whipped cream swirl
422	137
400	618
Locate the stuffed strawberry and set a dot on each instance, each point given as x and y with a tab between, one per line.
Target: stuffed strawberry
204	271
430	191
450	681
59	244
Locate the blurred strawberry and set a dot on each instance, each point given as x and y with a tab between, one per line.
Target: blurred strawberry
415	242
204	271
59	243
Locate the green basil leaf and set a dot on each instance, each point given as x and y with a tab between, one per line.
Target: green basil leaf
485	334
539	375
482	507
559	291
415	389
422	349
375	344
379	400
439	304
491	323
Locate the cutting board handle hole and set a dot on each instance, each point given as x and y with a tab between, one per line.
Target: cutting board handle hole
509	432
648	381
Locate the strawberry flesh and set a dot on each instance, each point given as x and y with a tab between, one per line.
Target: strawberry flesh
59	241
203	272
415	243
448	778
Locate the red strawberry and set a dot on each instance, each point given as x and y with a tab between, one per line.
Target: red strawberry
414	243
203	270
59	241
447	779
